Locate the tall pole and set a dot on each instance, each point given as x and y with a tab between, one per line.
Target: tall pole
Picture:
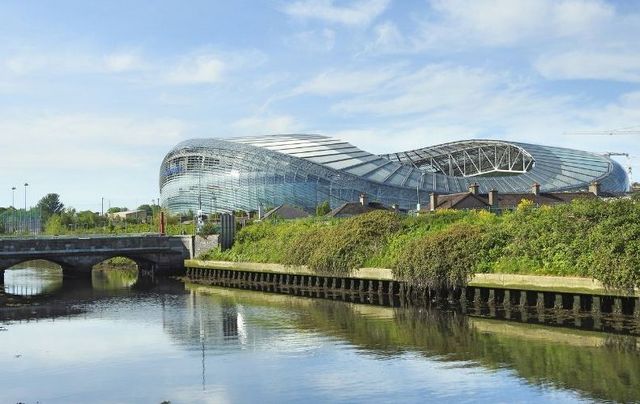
418	192
200	190
26	218
25	196
13	213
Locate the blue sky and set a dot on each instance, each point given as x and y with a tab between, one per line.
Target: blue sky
93	94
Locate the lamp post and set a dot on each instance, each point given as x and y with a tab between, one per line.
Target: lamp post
13	212
418	192
25	196
26	218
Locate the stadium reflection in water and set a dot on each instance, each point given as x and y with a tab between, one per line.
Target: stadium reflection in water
194	344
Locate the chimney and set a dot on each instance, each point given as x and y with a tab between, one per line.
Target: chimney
433	201
493	199
473	188
535	188
363	199
594	188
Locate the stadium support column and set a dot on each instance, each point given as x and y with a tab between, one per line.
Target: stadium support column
227	230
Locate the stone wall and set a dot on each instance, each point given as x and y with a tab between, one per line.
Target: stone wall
204	244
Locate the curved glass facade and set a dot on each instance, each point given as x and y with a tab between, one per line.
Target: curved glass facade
222	175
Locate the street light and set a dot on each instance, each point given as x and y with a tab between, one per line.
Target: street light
418	192
13	212
25	196
25	206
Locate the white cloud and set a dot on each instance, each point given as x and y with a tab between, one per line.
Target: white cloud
83	157
89	141
577	17
359	12
28	61
618	66
314	40
206	66
265	125
462	24
387	36
197	69
333	82
119	62
202	66
505	22
431	89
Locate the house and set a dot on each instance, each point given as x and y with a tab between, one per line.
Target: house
137	215
356	208
495	201
286	212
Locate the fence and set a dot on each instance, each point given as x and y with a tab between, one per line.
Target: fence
20	221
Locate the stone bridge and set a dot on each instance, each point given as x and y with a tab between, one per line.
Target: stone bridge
154	254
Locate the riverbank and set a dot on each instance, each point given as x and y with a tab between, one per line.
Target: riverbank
592	239
541	283
8	300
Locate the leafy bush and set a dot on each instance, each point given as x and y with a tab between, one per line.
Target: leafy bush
323	208
589	237
441	260
341	248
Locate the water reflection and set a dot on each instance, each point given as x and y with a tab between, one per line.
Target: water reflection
107	278
597	365
45	278
119	343
33	278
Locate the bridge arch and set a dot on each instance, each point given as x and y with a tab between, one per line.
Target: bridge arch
6	264
32	277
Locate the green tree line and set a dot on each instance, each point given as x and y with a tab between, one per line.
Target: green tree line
56	219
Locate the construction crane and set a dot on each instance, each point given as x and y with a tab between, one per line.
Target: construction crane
631	130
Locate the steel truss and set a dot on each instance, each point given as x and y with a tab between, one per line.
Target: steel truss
467	159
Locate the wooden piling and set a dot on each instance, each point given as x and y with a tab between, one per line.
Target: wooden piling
617	306
557	303
492	297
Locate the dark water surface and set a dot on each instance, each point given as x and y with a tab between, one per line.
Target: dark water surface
114	342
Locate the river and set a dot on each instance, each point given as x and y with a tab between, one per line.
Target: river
115	342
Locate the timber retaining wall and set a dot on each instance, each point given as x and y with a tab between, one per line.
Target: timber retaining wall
577	295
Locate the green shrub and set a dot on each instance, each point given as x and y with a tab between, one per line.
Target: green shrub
613	253
323	208
442	260
340	248
588	237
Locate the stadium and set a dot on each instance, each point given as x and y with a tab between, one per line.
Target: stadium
258	173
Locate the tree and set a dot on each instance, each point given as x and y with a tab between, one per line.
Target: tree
87	219
323	208
50	204
54	225
116	209
147	208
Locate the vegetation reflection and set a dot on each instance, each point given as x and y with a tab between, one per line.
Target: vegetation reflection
599	365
